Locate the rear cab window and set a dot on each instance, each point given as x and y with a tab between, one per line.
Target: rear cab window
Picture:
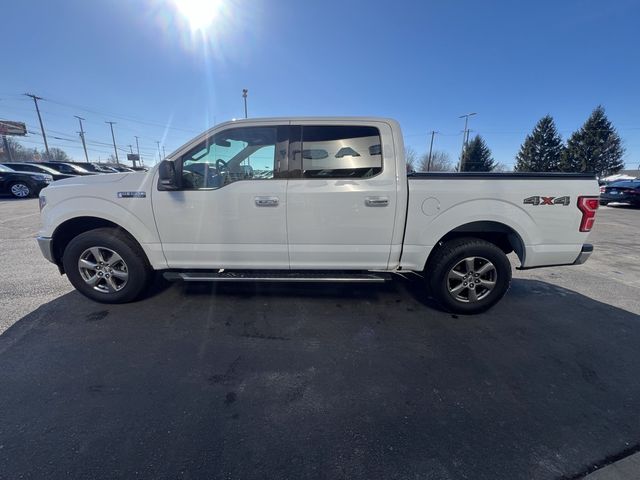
337	151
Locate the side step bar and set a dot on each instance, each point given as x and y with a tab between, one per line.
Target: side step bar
277	276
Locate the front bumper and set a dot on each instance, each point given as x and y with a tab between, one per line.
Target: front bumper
46	247
585	253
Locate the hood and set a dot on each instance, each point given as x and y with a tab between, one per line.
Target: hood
93	179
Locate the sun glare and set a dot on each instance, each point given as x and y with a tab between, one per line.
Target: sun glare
200	14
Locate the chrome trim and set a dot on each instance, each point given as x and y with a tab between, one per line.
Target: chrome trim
376	201
46	247
267	201
318	277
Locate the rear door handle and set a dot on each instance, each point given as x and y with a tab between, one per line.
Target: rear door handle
267	201
376	201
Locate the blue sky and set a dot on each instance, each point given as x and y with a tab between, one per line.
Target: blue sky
425	63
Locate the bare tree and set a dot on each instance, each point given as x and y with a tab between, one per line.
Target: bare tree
411	157
59	155
440	162
501	167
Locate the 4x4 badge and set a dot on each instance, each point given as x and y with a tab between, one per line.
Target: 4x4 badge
539	200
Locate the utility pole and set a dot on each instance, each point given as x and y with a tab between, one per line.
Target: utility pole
44	135
113	137
138	150
7	148
433	133
84	145
465	134
244	95
130	148
159	154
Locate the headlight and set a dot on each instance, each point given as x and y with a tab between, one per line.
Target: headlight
43	178
42	201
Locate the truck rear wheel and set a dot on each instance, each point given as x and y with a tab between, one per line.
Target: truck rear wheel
468	275
107	266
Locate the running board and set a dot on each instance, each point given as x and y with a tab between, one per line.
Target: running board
276	276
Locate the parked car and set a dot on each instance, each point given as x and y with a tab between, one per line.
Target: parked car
94	167
353	215
622	191
22	184
67	168
37	168
119	168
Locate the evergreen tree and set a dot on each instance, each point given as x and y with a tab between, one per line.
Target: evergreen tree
595	147
542	150
477	156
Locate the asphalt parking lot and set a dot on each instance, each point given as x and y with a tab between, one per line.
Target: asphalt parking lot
288	381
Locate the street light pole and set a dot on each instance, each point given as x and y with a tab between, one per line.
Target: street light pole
433	133
464	136
244	95
84	145
113	137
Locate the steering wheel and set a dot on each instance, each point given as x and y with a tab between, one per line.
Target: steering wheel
221	165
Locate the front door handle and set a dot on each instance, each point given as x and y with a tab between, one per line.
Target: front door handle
376	201
267	201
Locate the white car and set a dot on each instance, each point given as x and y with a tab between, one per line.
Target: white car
312	199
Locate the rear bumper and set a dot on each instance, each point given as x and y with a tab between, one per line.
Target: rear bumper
585	253
46	247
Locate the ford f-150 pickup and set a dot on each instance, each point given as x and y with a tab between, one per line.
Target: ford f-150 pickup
312	199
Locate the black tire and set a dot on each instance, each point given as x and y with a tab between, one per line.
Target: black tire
453	254
20	189
136	266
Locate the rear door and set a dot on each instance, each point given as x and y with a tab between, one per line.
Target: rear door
341	196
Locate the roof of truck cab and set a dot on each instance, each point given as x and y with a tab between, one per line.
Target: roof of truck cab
286	120
237	121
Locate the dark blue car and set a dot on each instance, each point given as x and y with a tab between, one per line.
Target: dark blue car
622	191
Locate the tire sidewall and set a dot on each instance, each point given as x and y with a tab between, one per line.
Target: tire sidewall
135	261
487	250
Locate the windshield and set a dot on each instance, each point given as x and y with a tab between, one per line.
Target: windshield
41	168
78	168
4	168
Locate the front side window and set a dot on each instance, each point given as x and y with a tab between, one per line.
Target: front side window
341	152
246	153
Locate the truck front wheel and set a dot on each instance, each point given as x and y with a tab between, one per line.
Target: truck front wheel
468	275
107	266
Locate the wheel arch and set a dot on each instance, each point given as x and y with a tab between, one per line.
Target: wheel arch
498	233
71	228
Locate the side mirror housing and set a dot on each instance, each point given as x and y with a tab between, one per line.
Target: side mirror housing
167	176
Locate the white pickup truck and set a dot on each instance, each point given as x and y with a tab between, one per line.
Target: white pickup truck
312	199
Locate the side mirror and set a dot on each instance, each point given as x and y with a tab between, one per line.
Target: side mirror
167	177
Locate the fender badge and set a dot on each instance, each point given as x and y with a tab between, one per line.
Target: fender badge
132	194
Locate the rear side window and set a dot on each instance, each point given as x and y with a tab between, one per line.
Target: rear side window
340	151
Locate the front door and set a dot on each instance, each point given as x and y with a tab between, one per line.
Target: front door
231	209
341	197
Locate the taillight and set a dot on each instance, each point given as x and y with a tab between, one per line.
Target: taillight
602	189
588	207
